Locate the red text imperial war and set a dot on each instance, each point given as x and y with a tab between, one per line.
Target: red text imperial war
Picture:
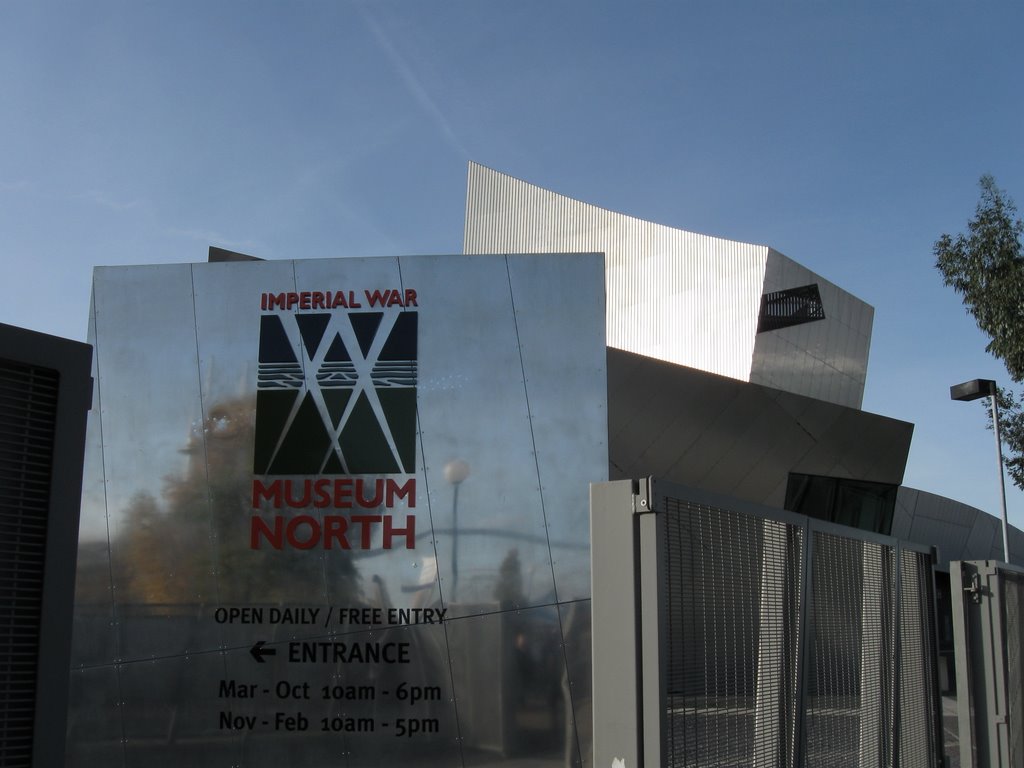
309	300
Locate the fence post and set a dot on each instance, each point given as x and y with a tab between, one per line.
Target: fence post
653	658
618	714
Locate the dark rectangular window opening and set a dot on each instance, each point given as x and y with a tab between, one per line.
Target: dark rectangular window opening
859	504
792	306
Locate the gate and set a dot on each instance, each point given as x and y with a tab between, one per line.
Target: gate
987	615
729	634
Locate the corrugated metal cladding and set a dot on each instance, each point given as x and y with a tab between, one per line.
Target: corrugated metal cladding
679	296
28	411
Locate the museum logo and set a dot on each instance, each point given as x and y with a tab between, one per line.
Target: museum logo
336	390
336	405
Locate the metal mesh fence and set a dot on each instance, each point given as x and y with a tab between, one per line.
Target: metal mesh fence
733	593
919	728
1013	607
784	652
849	692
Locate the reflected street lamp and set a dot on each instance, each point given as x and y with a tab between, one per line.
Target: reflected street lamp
455	472
973	390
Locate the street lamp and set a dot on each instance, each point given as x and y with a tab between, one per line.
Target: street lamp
972	390
455	472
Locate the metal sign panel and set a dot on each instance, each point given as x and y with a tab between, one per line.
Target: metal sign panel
335	512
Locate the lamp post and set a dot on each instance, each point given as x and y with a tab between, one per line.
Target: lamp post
455	472
972	390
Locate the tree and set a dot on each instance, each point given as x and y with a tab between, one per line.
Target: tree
192	545
986	267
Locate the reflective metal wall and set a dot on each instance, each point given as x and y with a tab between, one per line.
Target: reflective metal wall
310	615
959	531
680	296
825	359
743	440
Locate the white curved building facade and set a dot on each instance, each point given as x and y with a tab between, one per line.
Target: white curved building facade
695	300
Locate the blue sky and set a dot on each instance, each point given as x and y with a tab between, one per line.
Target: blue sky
848	136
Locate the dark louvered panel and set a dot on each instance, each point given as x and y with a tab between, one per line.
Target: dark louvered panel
28	411
792	306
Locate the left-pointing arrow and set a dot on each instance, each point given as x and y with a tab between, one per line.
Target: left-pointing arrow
258	651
